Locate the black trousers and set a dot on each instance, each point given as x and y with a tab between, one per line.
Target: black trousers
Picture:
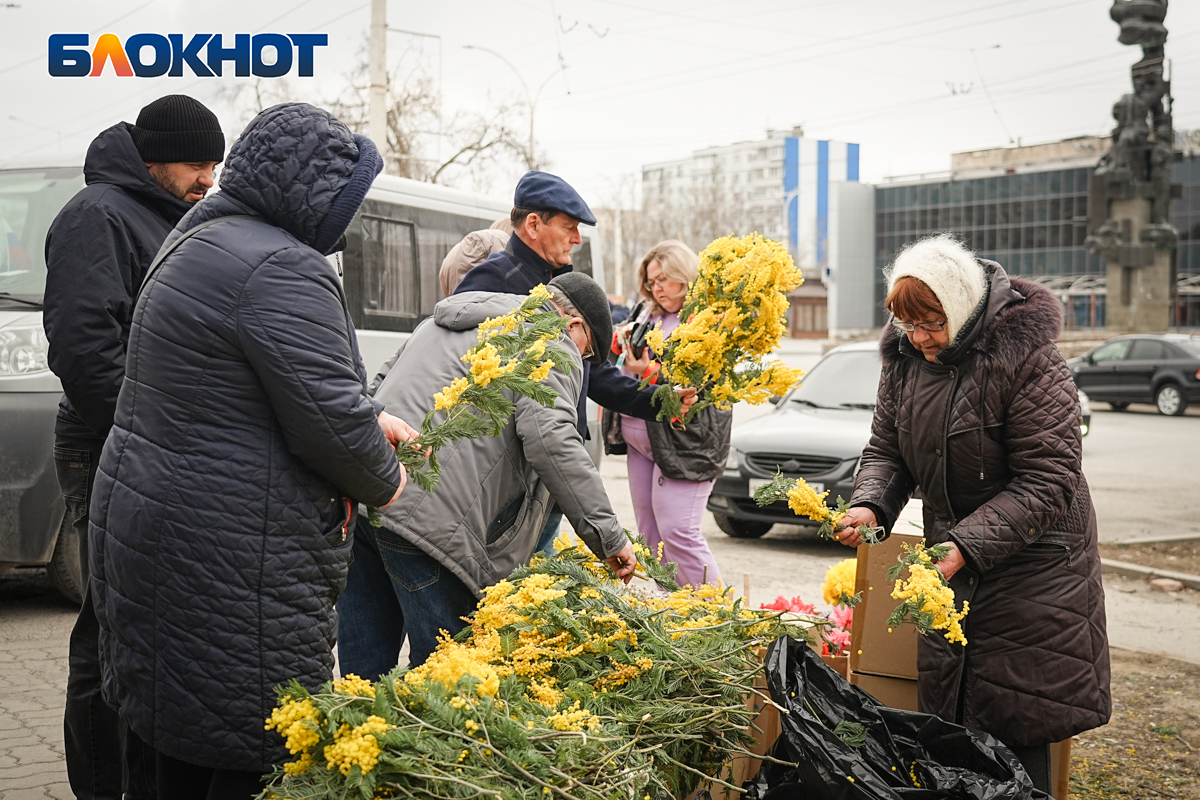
180	780
1036	760
105	760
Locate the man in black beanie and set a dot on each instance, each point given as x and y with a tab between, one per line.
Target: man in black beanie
141	179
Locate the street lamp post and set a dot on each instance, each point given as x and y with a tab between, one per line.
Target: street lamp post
531	99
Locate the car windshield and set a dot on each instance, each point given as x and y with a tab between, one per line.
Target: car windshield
30	199
849	379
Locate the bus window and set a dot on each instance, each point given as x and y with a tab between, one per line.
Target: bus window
581	258
392	282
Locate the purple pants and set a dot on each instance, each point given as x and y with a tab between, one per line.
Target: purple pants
668	511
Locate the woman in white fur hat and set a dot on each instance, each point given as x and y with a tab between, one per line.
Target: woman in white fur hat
978	410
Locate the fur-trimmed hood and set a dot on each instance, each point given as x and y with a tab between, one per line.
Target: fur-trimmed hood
1015	318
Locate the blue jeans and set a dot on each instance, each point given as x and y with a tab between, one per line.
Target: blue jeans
394	589
549	532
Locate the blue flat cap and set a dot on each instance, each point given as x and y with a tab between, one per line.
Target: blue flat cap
541	191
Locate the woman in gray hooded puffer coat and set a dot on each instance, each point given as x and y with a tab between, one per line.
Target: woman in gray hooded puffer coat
978	410
225	502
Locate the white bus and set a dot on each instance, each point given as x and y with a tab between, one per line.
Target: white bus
395	248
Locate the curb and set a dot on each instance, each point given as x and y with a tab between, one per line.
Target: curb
1128	570
1170	538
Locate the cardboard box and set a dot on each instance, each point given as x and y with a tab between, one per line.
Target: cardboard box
873	650
892	692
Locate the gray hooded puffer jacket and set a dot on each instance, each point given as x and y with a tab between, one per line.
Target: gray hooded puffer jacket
484	519
242	444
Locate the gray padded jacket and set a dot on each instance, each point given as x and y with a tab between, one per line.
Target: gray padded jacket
484	518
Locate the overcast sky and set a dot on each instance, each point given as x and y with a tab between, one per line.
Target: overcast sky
910	80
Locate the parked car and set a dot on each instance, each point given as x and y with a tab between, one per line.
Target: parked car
1142	368
816	432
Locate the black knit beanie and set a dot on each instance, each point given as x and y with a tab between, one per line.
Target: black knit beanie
178	128
591	302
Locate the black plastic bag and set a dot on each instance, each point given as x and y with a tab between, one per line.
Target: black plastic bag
904	755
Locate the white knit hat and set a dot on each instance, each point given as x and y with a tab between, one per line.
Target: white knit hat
950	271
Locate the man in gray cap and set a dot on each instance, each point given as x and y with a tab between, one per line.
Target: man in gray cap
141	179
546	217
427	566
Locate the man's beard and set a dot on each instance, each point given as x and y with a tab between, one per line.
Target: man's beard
173	187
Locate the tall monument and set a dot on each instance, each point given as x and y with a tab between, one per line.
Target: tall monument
1131	188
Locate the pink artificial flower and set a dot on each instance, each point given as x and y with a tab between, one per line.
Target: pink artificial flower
795	605
842	616
839	639
780	603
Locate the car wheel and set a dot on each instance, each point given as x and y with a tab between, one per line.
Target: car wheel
1118	406
1170	400
742	528
65	567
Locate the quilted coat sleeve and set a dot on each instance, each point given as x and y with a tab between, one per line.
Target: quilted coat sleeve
1045	455
294	331
884	483
553	446
89	300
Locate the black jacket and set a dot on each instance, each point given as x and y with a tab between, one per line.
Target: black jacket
243	441
516	271
990	434
97	251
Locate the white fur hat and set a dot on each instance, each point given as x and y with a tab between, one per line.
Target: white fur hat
950	271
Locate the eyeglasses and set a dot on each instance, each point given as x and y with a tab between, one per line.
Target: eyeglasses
650	284
909	327
589	351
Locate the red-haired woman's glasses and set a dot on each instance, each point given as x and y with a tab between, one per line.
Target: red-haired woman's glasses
909	327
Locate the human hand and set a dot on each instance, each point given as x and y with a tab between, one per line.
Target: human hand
856	517
687	396
400	488
952	562
623	563
395	429
638	366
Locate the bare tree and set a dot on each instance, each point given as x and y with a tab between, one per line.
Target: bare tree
248	98
416	130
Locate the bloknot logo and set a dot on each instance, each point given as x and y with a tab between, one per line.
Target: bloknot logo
152	55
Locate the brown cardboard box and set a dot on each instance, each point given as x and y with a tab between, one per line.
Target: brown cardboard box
872	649
892	692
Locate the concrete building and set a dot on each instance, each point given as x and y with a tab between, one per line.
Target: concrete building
780	186
1027	208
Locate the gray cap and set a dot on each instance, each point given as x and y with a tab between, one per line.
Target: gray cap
592	304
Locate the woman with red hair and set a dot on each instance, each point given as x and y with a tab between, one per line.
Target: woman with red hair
977	409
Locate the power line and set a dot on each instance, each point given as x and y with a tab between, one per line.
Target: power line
102	28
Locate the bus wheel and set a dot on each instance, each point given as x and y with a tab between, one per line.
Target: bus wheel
65	567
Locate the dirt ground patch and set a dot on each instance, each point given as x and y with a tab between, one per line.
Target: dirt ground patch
1149	748
1176	556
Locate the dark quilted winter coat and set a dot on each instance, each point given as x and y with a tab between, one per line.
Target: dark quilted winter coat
990	435
242	437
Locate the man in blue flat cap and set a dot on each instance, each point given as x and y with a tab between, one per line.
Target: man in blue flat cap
546	216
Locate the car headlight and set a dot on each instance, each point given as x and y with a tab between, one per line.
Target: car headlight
731	461
24	350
